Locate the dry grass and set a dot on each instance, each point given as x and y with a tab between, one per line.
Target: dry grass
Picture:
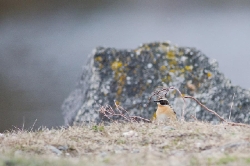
186	143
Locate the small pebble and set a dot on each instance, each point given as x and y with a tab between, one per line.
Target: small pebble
130	133
168	128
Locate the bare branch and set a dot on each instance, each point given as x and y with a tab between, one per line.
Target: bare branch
213	112
110	113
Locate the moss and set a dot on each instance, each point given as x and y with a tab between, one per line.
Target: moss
226	160
247	160
209	161
120	141
194	161
98	128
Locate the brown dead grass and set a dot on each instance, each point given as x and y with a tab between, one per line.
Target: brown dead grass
186	143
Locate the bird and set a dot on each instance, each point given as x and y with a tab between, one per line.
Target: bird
164	112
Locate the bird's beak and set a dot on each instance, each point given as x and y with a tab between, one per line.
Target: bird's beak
156	101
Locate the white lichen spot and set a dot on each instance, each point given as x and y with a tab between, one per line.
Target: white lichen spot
183	58
149	81
150	65
197	108
212	61
138	52
158	55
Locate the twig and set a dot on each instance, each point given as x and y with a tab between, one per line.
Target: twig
108	112
213	112
194	117
138	117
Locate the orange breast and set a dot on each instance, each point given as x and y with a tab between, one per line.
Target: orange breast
165	113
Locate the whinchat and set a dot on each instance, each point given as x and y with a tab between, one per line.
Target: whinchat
165	112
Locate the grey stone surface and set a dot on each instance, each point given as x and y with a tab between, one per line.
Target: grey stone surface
130	76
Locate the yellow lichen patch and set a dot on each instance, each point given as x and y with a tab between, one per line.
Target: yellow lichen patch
182	70
100	66
119	91
209	74
163	68
169	78
171	55
116	65
172	71
172	62
164	47
189	68
166	79
147	47
181	53
119	76
117	102
122	79
99	59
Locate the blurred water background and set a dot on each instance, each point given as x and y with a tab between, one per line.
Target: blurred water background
43	45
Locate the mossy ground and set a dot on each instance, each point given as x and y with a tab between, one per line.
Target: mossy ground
186	143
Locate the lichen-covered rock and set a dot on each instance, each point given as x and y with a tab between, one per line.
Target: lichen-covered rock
130	76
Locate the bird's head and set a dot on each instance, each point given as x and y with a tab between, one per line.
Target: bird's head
162	101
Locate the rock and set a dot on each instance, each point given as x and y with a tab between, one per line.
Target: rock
130	133
168	128
130	76
54	150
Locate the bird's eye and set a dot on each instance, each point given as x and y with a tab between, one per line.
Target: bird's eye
164	102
